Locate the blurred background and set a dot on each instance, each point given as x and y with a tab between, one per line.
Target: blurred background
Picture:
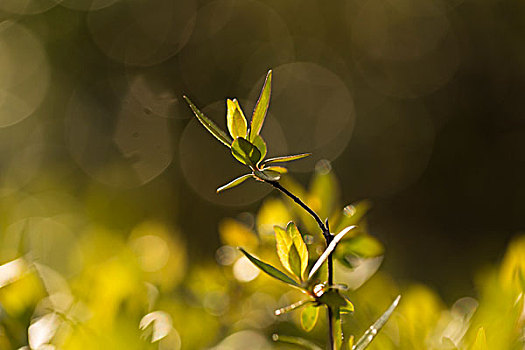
415	104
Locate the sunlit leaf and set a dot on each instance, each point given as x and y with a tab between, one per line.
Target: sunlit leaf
363	245
284	243
481	340
271	175
337	329
309	317
261	107
300	246
234	182
270	270
295	262
292	307
296	341
260	144
209	125
245	152
333	299
285	158
278	169
329	250
350	342
324	190
374	329
235	119
348	308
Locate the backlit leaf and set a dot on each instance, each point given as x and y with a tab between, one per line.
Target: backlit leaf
235	119
309	317
261	107
374	329
234	182
270	270
235	234
286	158
306	344
284	243
209	125
278	169
300	246
245	152
363	245
260	144
329	250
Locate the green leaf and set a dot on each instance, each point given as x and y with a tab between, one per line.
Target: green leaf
260	144
286	158
329	250
283	243
300	246
333	299
338	329
481	340
309	317
209	125
363	245
277	169
348	308
292	307
236	121
295	262
296	341
234	182
245	152
270	270
261	107
266	174
374	329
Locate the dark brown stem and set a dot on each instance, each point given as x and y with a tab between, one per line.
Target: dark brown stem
325	228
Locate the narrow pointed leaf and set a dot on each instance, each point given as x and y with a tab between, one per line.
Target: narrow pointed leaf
234	182
286	158
481	340
374	329
278	169
235	119
245	152
260	144
329	250
261	107
306	344
309	317
209	125
292	307
283	243
300	246
270	270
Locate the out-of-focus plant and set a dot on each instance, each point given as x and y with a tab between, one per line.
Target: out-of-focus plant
248	147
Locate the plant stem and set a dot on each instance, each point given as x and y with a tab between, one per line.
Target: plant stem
325	228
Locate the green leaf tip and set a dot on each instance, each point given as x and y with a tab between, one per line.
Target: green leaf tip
270	270
209	125
374	329
261	107
234	182
237	125
283	159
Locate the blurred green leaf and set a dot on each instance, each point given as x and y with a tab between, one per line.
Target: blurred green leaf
234	182
270	270
374	329
337	329
261	107
481	340
208	124
260	144
352	214
363	245
235	233
292	307
300	246
235	119
245	152
309	317
329	250
286	158
324	190
333	299
296	341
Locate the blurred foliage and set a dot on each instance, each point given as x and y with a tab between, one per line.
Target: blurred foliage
136	291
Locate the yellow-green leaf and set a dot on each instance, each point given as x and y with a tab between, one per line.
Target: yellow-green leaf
309	317
481	340
260	144
277	169
245	152
234	182
261	107
236	121
300	246
270	270
283	243
286	158
374	329
306	344
209	125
